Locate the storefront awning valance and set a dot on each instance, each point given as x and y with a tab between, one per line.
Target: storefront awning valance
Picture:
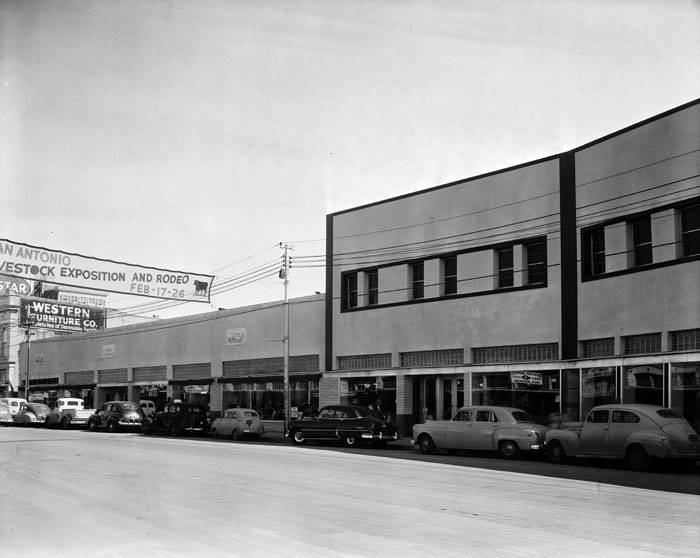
191	382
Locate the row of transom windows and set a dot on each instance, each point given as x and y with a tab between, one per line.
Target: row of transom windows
362	288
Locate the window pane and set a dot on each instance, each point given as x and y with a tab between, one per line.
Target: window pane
417	274
536	253
505	267
450	275
690	230
641	232
372	287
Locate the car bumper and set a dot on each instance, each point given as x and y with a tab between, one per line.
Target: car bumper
380	436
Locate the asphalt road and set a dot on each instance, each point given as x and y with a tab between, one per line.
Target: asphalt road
76	493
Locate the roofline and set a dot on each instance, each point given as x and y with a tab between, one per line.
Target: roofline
526	164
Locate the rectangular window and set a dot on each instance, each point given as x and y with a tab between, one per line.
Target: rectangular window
444	357
690	230
593	252
417	280
505	267
348	294
364	362
593	348
640	344
641	238
536	257
516	353
449	272
686	340
372	287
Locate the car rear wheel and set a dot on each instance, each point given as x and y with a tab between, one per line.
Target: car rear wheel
111	427
555	452
213	433
298	437
637	458
426	444
46	422
351	441
508	449
235	434
146	427
92	426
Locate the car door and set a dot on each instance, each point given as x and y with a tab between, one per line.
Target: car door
594	433
322	426
484	424
622	424
458	431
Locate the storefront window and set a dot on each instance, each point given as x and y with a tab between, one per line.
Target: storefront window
536	392
643	384
685	392
268	397
598	387
378	393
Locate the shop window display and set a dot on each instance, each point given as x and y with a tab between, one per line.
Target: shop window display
643	384
685	391
377	393
598	387
536	392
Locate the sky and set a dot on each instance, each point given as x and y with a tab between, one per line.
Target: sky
199	135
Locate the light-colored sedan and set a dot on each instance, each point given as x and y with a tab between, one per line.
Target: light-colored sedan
506	430
237	423
639	434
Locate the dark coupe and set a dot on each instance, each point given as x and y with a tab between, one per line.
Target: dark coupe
349	424
116	415
178	419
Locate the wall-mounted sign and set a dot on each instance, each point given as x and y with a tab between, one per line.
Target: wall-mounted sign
526	378
83	299
64	268
14	286
237	336
107	351
50	314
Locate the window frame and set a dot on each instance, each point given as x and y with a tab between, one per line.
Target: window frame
536	268
642	250
348	293
690	237
372	286
593	252
418	280
504	273
449	275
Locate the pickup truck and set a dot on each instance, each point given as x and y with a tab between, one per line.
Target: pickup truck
69	411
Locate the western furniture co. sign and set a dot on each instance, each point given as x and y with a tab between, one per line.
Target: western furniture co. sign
51	314
63	268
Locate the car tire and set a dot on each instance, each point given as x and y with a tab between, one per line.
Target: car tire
111	427
214	433
46	422
351	441
555	452
426	444
508	449
92	426
146	427
235	435
298	437
65	423
637	458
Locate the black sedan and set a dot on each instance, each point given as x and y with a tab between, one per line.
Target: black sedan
349	424
117	415
178	419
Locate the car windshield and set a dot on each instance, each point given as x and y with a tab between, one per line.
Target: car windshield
251	414
668	413
130	407
521	416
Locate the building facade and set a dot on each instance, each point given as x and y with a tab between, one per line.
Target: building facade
224	358
552	286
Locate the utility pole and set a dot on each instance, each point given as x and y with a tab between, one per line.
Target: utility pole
284	274
28	333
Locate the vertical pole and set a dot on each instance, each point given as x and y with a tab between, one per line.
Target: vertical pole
26	377
286	338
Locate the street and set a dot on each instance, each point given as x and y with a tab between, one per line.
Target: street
77	493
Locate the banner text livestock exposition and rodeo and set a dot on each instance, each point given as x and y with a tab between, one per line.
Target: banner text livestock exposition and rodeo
63	268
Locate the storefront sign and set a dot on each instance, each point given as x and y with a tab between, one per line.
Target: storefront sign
527	378
63	268
14	286
197	389
49	314
107	351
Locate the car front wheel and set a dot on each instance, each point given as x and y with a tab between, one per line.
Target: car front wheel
235	434
298	437
351	441
508	449
555	452
111	427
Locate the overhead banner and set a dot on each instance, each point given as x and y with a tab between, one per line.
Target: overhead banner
50	314
63	268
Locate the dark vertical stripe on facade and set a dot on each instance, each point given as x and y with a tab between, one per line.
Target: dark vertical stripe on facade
329	292
569	266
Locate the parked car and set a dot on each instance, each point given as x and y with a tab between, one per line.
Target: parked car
69	411
507	430
116	415
638	434
31	413
5	414
350	424
237	423
178	419
13	403
148	407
